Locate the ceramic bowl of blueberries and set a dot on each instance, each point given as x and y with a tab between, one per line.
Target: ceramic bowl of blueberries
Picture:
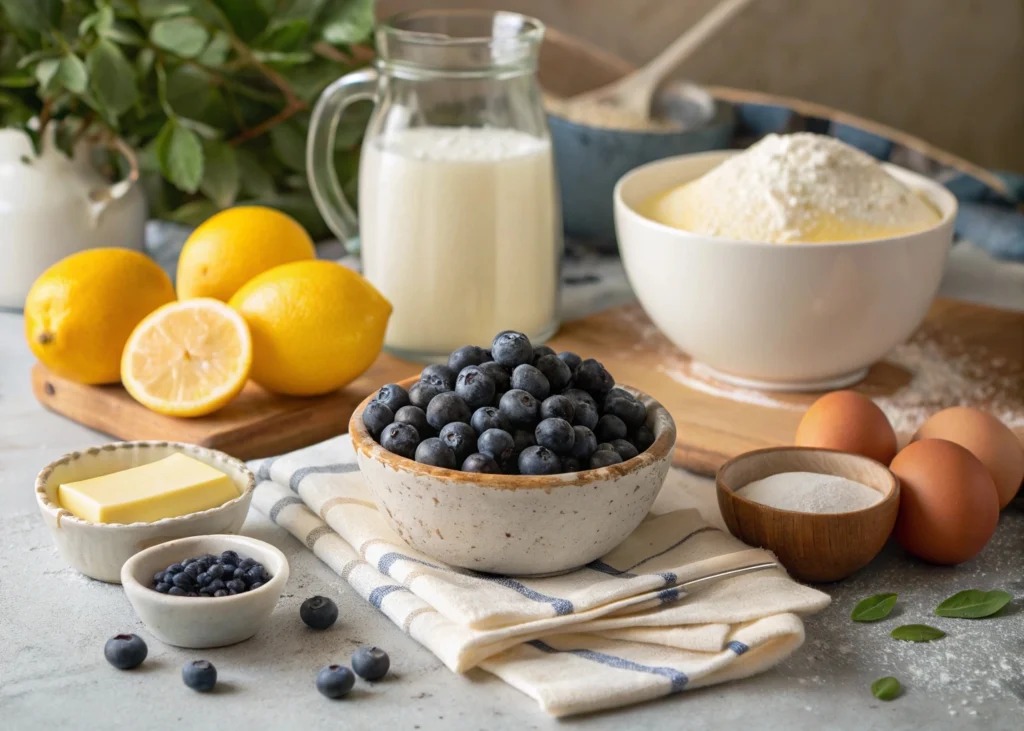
515	459
205	591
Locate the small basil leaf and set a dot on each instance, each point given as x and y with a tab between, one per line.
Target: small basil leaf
917	633
873	608
885	689
974	604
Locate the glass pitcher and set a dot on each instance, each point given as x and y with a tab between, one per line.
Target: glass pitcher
459	221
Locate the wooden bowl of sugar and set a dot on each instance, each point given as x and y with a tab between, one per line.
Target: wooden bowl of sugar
824	514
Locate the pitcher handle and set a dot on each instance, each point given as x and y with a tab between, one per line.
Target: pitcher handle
100	198
323	179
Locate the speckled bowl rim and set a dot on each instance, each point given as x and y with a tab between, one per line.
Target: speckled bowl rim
892	494
663	446
62	515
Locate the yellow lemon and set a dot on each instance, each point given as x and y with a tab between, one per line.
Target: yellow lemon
188	358
235	245
316	326
80	312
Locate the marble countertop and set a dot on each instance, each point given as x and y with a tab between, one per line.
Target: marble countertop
54	623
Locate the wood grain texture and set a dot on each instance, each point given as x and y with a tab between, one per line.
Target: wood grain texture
812	546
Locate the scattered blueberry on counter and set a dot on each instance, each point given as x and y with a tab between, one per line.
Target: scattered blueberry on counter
125	652
199	675
319	612
514	409
211	576
335	681
370	663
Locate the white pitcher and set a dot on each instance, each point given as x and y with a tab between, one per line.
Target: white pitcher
52	206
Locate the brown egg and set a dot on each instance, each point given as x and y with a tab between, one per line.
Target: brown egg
848	422
949	506
987	438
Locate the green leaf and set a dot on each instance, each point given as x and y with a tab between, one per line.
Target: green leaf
284	58
17	81
124	34
247	18
283	35
917	633
289	145
112	77
221	178
873	608
180	154
974	604
72	74
46	72
216	52
347	21
256	180
38	15
188	90
183	36
162	8
885	689
100	21
144	62
193	213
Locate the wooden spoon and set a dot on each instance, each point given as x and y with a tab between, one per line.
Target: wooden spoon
634	92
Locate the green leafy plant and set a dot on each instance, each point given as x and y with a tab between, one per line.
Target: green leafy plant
917	633
974	604
214	95
887	688
873	608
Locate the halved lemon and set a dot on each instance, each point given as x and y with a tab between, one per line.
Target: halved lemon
187	358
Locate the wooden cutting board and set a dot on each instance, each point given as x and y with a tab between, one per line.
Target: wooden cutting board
959	344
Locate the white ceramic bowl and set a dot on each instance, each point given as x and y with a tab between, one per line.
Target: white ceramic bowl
510	524
200	621
783	316
100	549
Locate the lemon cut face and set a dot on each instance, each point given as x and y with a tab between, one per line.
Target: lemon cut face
188	358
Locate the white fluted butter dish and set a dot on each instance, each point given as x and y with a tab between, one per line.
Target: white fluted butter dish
99	550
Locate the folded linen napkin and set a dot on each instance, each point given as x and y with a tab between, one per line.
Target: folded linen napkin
618	631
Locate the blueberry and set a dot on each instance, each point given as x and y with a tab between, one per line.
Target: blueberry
632	412
605	446
220	592
523	439
604	458
177	591
335	681
174	568
489	417
539	461
592	377
400	439
571	464
497	444
393	396
529	379
230	557
255	575
203	579
585	443
421	393
158	577
643	438
183	581
188	561
475	387
199	675
570	359
511	349
446	408
236	586
125	652
625	449
499	374
229	571
555	434
539	351
318	612
467	355
555	370
193	593
376	416
436	453
461	438
616	393
557	407
215	571
255	585
193	570
216	585
610	427
415	417
370	663
162	587
247	563
578	396
521	409
439	375
586	415
205	593
478	462
239	573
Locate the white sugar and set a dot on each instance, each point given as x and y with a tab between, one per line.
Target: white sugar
809	492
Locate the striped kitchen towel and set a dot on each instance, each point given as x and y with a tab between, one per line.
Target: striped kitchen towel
616	632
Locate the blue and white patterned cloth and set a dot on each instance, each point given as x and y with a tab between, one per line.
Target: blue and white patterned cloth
617	632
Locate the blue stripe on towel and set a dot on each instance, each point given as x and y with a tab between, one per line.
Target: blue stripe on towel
561	606
326	469
738	647
264	472
667	596
378	594
385	562
668	576
281	504
676	677
604	568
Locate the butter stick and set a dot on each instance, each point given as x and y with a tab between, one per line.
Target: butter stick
174	486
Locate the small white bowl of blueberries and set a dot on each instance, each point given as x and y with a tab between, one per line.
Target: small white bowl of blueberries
513	459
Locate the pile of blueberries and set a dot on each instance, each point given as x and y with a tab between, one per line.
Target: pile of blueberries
211	576
513	409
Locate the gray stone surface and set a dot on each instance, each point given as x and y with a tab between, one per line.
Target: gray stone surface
53	623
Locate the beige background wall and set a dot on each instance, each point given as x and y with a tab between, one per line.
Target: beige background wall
948	71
